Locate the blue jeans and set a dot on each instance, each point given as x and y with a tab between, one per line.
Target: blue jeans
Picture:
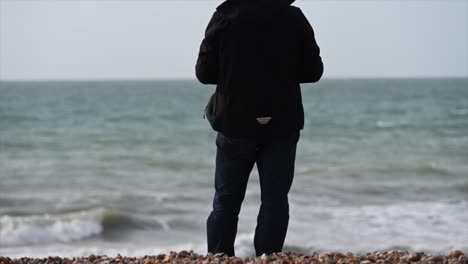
235	159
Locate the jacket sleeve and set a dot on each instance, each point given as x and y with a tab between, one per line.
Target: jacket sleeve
311	69
207	64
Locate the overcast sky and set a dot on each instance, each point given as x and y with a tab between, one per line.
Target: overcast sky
156	39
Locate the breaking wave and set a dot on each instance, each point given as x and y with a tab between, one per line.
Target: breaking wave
46	228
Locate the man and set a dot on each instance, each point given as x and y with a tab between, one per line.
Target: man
257	52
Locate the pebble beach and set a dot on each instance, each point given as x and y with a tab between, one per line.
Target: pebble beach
390	257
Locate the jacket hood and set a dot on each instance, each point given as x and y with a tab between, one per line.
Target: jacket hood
260	11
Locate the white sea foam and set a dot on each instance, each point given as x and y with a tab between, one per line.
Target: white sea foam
429	226
384	124
17	230
244	245
434	227
108	249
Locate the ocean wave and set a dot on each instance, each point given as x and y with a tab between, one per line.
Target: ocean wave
72	226
416	168
416	226
433	227
459	111
16	118
17	145
404	169
461	187
129	118
385	124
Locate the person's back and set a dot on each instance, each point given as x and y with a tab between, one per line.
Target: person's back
257	52
261	51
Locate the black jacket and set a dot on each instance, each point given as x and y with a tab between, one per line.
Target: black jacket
257	52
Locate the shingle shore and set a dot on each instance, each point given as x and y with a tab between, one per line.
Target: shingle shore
190	257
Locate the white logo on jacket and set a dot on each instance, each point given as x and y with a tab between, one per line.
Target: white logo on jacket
264	120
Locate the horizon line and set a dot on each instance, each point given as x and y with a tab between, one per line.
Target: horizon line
194	79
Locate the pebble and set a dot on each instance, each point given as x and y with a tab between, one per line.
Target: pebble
436	259
237	261
414	257
463	259
183	254
456	254
190	257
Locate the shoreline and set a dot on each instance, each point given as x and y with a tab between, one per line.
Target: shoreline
389	257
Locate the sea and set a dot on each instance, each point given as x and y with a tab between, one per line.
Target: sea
126	167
